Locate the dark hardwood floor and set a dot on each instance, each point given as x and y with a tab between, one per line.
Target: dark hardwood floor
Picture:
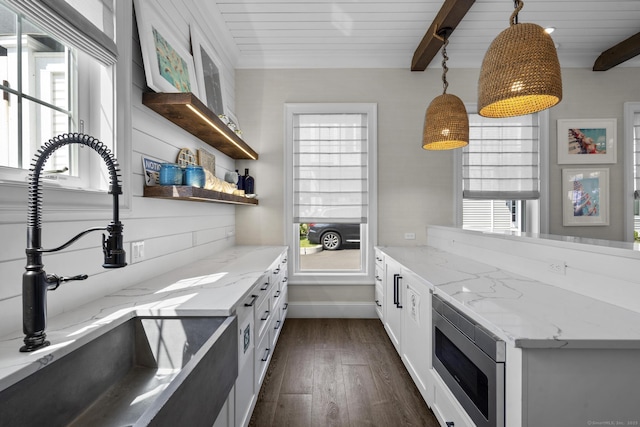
338	372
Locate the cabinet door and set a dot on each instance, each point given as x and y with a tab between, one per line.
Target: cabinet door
416	330
245	390
393	302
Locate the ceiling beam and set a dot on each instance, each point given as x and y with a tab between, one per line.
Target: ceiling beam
450	15
618	54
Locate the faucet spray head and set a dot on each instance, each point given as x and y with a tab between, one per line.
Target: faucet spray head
112	247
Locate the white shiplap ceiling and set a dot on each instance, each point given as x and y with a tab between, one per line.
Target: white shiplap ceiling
385	33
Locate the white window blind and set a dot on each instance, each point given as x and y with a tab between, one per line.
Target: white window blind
501	161
330	168
69	24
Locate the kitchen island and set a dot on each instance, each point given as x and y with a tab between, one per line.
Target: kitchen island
571	357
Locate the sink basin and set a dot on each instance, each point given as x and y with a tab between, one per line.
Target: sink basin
159	371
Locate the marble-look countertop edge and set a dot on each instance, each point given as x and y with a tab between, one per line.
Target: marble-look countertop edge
525	313
194	290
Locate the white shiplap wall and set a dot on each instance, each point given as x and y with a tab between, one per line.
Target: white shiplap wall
175	233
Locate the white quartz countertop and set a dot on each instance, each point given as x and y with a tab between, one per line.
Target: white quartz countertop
209	287
522	311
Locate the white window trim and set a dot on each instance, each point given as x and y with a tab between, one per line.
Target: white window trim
543	202
72	203
630	109
336	277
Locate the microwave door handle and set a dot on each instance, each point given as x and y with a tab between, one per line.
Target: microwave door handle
399	305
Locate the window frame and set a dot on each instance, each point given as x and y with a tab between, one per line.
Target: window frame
64	203
536	213
369	239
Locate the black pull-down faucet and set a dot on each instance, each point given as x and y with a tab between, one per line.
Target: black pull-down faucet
35	281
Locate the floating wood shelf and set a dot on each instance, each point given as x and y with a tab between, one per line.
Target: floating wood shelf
188	112
195	194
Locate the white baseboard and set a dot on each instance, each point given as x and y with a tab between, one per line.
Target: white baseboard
336	310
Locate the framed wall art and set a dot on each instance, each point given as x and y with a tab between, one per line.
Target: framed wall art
168	65
208	71
585	197
587	141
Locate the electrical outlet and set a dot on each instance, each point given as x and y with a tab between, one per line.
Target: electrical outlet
137	251
556	266
410	236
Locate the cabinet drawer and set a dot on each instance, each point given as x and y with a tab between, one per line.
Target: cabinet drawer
262	288
379	275
275	326
379	257
445	407
379	301
263	356
262	317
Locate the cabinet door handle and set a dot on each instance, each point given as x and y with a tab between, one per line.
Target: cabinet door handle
253	301
450	424
395	289
266	354
265	316
264	287
277	325
378	303
378	278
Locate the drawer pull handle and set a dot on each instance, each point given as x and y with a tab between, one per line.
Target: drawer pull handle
277	325
378	279
378	303
265	316
266	354
264	287
276	271
285	279
253	301
277	294
286	305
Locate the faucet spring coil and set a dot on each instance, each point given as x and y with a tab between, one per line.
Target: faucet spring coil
39	159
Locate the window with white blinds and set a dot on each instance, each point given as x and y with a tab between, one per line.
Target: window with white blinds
501	161
330	169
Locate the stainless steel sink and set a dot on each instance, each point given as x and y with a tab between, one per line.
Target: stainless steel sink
160	371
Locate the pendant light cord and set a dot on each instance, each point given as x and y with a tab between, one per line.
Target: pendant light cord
518	5
445	84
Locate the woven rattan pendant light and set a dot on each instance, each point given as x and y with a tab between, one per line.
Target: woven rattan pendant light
520	72
446	123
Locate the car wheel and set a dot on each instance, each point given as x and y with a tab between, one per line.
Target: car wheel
331	241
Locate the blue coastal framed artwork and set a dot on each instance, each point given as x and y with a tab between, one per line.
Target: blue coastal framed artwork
168	65
585	197
587	141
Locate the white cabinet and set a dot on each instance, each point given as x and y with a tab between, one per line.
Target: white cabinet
393	302
226	417
260	319
416	331
245	392
379	284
